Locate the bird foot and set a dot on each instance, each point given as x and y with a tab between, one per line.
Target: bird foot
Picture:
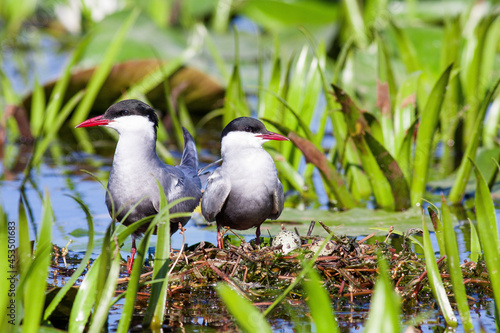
130	260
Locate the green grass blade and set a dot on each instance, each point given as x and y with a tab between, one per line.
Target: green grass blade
108	290
475	244
103	70
56	125
248	317
34	283
25	249
406	49
463	173
438	229
384	315
83	263
97	80
320	304
488	234
426	130
435	280
37	109
356	22
453	261
133	284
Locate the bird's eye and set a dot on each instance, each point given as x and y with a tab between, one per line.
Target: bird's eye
248	129
124	113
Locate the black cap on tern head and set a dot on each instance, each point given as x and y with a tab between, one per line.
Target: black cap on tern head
131	107
244	124
251	125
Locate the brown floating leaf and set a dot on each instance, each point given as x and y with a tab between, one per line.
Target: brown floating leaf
201	94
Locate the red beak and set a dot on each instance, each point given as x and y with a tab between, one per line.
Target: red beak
96	121
273	136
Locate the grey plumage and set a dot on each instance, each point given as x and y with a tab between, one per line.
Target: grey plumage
245	190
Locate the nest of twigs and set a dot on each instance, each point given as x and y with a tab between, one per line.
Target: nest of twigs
349	271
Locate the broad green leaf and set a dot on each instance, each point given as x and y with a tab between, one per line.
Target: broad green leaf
248	317
320	304
426	130
463	173
392	171
384	315
488	234
357	125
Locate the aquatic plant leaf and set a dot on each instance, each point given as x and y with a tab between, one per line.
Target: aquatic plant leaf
384	314
320	304
357	127
463	173
488	235
454	268
34	282
428	124
81	267
269	13
435	280
248	317
475	244
393	173
328	172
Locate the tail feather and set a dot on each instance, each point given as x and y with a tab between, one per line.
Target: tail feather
189	156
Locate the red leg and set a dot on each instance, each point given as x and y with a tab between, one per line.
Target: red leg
220	243
130	262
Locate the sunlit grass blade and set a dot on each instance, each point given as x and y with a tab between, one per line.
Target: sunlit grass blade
438	229
426	130
404	154
37	109
463	173
406	49
404	110
133	285
384	315
435	280
357	125
56	125
320	304
356	22
25	249
83	263
488	234
248	317
34	281
98	79
107	291
453	262
490	130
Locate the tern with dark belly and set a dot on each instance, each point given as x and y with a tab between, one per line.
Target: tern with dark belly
136	167
245	190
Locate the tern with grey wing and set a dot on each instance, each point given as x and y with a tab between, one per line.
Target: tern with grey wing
245	190
137	168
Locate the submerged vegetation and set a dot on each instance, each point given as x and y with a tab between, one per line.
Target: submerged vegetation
380	99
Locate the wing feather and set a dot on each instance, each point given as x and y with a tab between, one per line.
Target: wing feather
215	195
